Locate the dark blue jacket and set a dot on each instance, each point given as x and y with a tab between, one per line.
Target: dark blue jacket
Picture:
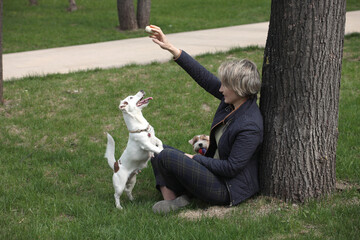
241	140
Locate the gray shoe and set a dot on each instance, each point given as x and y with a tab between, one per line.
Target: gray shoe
166	206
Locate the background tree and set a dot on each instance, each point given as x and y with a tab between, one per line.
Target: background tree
300	98
1	59
72	6
33	2
126	14
143	13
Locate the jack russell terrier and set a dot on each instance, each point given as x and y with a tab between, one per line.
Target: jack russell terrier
200	143
141	146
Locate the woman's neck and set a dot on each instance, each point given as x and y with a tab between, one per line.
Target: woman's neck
240	102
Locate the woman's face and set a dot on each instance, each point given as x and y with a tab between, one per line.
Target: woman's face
230	95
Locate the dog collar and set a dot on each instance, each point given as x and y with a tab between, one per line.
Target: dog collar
141	130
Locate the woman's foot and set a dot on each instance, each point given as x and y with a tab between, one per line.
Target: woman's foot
166	206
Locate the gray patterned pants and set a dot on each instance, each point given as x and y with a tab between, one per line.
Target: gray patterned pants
182	175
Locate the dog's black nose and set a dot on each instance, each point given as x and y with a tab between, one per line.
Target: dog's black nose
200	145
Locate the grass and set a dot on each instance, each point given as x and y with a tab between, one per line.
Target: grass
50	25
348	153
56	184
96	21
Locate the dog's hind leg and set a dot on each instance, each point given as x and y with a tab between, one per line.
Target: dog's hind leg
117	201
130	184
119	186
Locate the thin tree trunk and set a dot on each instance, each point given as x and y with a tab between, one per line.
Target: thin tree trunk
33	2
126	14
300	98
72	6
143	13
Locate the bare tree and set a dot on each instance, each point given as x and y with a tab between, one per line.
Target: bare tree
300	98
33	2
126	14
1	58
72	6
143	13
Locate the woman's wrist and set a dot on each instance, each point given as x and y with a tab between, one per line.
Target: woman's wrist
175	52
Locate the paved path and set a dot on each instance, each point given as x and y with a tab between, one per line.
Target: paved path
139	50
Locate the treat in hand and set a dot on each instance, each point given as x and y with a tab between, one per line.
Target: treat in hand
148	29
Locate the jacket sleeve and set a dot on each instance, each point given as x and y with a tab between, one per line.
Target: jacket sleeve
200	74
242	150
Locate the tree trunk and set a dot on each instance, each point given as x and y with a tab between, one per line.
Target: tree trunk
300	98
1	58
126	14
72	6
143	13
33	2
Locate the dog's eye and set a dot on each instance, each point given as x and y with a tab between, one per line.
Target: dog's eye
125	103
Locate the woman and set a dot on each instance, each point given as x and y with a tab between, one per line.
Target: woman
228	173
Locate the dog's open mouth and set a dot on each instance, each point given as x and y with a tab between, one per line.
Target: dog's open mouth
143	101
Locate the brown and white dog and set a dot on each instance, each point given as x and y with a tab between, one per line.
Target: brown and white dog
200	143
141	146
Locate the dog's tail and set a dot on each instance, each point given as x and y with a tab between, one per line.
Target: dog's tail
110	151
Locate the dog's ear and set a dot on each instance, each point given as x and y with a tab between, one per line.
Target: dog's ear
194	139
123	105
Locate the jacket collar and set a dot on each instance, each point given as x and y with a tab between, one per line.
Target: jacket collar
226	111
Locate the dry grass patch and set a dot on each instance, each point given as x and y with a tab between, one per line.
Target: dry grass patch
257	207
211	212
344	185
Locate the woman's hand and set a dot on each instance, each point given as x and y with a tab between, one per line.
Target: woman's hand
160	39
189	155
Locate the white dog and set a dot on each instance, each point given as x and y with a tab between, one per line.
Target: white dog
141	146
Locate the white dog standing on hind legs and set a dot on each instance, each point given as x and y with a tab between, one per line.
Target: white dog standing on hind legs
141	146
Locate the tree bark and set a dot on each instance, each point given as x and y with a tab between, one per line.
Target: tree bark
143	13
72	6
300	98
126	14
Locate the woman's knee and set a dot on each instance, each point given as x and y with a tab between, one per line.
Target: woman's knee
154	160
165	155
170	158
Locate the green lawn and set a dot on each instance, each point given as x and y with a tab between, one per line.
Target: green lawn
50	25
56	184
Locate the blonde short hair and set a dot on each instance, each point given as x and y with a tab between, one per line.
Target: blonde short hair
241	76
